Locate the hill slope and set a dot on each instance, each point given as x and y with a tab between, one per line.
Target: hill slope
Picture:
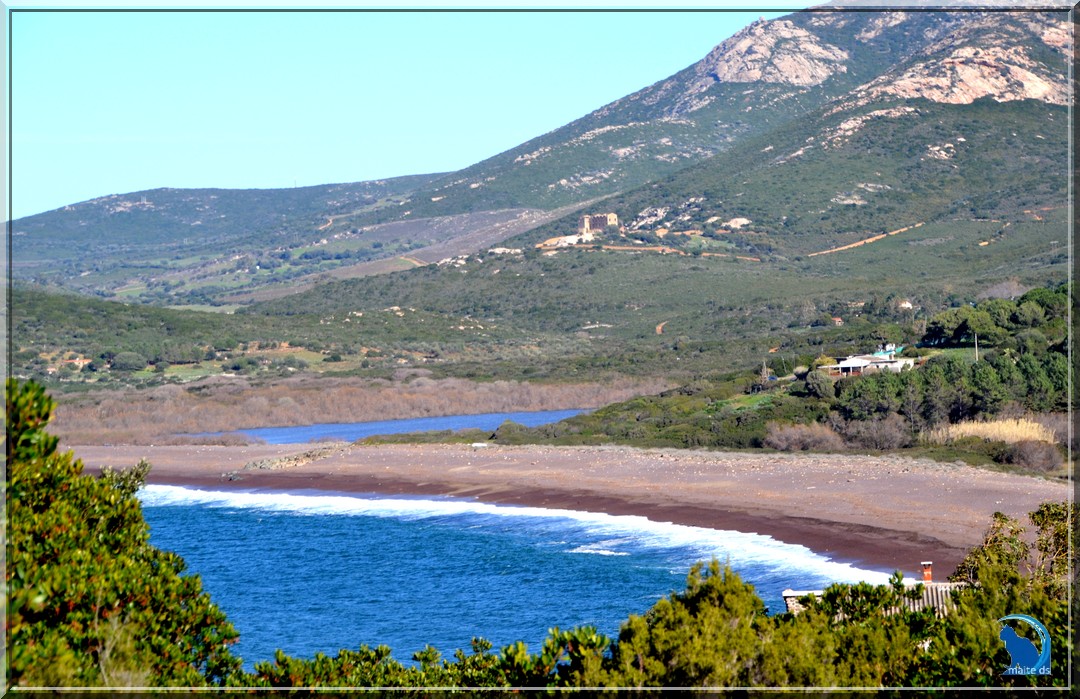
776	88
160	239
931	198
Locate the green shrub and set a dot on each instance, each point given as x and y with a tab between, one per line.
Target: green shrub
128	361
90	601
819	384
511	432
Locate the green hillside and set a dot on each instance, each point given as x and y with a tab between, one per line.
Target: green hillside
993	208
780	183
714	142
819	186
70	341
689	116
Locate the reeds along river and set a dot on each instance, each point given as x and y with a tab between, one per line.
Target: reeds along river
316	571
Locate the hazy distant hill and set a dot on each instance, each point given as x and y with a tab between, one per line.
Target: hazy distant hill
164	238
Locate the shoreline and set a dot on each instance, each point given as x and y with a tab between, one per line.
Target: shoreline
858	545
881	513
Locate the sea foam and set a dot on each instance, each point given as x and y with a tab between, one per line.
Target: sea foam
579	532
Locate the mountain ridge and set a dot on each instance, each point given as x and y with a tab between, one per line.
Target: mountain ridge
870	67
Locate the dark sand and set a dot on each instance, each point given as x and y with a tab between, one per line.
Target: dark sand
886	513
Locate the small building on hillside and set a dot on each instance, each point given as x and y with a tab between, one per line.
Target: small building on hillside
859	364
850	366
596	223
936	595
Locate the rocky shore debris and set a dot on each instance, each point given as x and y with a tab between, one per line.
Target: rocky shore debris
280	463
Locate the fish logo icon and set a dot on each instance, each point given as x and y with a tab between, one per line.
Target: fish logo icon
1024	657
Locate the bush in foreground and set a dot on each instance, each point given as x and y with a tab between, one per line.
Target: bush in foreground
1010	431
89	601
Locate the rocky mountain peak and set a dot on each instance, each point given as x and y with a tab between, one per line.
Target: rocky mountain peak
767	51
770	52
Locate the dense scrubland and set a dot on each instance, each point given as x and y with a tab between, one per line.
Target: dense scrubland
788	402
1007	406
92	603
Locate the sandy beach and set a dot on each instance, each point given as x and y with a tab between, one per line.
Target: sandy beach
885	513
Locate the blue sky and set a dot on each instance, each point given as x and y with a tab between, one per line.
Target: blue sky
112	102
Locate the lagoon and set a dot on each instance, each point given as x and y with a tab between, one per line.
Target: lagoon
352	431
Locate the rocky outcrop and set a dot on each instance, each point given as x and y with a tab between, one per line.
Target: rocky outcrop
986	56
280	463
777	52
765	52
771	52
969	73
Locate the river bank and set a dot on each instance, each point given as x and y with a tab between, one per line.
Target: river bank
883	512
226	403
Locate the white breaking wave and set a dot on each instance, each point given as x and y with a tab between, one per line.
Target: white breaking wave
597	551
610	534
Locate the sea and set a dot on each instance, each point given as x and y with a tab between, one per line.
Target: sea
317	571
